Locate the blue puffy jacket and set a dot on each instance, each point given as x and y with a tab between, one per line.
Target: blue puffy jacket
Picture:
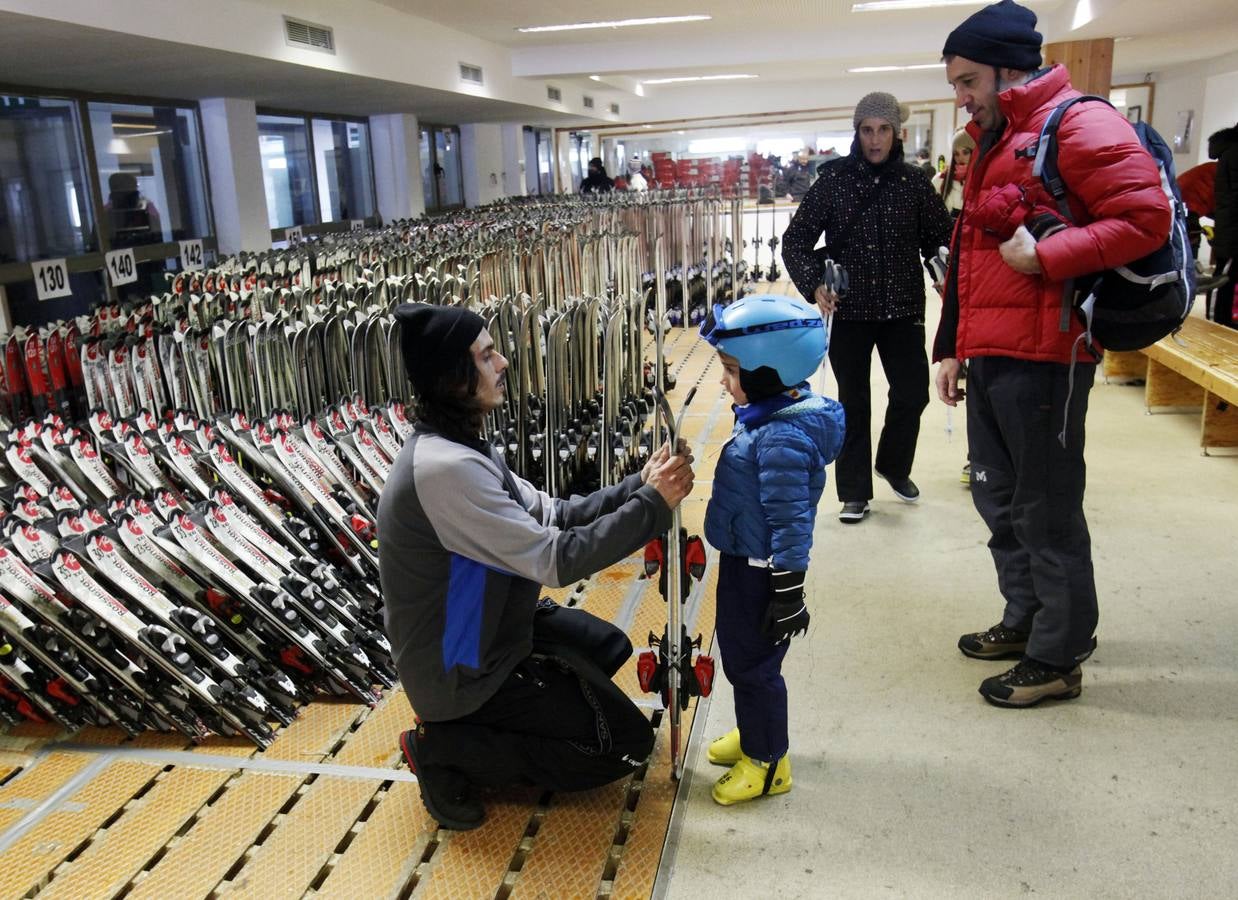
769	478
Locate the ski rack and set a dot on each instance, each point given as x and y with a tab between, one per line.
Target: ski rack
191	489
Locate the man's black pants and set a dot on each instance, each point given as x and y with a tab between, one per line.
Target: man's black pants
557	721
1028	488
900	345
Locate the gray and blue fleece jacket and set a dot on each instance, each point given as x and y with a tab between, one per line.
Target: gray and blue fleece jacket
462	563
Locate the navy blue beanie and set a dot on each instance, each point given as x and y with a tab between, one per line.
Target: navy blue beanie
1002	35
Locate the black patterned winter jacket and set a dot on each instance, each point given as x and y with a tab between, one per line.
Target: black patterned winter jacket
882	242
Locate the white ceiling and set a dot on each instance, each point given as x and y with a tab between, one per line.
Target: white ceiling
800	49
783	40
112	62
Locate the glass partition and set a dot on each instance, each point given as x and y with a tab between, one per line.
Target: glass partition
151	173
441	170
343	169
451	174
44	194
287	173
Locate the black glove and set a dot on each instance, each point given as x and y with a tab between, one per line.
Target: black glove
834	278
939	265
787	615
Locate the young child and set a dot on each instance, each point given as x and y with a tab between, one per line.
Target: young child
760	517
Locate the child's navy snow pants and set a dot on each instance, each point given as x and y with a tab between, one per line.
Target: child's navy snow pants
751	661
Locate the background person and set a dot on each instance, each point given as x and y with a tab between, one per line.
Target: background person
597	182
1223	147
797	176
880	218
949	182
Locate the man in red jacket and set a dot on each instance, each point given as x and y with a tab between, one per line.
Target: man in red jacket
1005	313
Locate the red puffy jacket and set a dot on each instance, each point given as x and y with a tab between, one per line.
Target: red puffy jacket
1115	196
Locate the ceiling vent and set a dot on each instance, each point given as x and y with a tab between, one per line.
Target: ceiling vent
471	74
308	35
588	102
554	94
614	109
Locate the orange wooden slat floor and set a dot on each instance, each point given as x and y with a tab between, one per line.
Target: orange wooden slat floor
330	810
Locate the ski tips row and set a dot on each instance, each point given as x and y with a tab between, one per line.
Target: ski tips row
175	573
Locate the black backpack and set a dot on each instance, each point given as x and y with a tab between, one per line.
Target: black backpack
1133	306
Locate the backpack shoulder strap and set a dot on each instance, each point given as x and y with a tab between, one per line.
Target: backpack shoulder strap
1045	166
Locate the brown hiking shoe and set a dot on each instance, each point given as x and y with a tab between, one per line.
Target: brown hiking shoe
1029	682
999	642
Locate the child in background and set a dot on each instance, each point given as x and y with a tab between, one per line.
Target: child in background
949	183
760	517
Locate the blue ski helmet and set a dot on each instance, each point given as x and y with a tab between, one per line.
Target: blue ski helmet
783	333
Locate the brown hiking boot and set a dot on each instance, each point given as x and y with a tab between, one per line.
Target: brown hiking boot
1029	682
999	642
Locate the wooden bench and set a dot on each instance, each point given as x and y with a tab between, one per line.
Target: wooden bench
1198	367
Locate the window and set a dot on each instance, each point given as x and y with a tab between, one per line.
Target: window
286	171
580	151
783	148
344	175
539	179
704	146
44	195
441	173
150	165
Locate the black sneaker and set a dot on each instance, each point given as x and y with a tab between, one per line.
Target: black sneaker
999	642
447	795
853	511
904	488
1029	682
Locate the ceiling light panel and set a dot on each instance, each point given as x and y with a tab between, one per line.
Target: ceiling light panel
866	69
618	23
685	78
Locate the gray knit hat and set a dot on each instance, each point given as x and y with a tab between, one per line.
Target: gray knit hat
880	105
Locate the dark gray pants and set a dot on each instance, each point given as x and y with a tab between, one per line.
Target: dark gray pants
1028	488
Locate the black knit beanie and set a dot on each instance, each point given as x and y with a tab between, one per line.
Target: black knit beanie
1002	35
432	337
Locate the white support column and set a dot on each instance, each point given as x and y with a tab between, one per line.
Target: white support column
238	197
396	143
513	161
481	158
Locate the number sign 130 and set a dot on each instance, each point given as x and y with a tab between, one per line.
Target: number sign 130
51	279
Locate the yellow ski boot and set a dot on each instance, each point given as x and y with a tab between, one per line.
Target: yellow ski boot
725	750
749	779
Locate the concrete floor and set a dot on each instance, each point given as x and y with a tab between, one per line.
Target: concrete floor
908	784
